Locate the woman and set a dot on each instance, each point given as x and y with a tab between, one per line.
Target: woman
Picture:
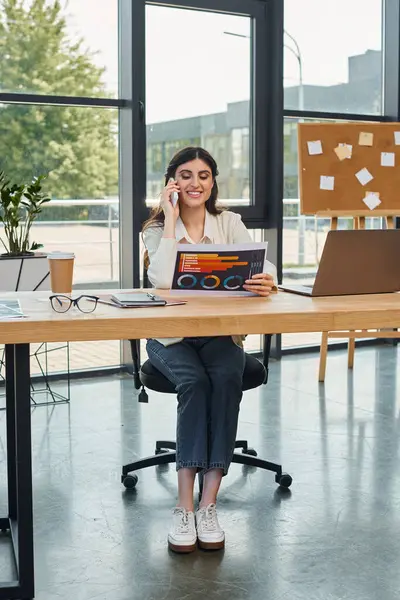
207	371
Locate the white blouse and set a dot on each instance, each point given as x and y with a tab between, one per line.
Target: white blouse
225	228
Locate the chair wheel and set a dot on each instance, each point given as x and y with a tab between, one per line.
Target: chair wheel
130	481
249	451
160	451
284	480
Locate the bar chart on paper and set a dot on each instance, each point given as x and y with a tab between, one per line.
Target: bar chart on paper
217	268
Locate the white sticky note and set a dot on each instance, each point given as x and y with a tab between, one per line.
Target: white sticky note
366	139
364	176
327	183
387	159
397	138
372	200
314	147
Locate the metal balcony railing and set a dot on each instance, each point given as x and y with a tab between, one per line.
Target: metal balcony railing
303	236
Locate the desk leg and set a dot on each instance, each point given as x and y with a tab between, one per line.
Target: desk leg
323	353
10	420
350	352
19	469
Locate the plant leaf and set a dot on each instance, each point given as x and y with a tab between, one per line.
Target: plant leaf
35	246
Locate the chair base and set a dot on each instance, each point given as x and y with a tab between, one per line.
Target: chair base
165	453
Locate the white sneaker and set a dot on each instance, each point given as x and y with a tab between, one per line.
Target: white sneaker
209	533
182	535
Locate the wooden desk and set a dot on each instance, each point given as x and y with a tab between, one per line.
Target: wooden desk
281	313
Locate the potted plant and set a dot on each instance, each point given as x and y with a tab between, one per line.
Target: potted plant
20	205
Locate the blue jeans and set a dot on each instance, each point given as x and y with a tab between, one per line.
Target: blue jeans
207	373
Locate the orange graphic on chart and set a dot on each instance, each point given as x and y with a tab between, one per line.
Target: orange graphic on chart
204	263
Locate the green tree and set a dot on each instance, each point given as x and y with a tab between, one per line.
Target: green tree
76	145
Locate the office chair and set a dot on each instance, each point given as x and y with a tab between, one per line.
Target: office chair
147	376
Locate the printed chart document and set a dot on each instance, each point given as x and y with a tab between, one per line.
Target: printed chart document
10	309
217	269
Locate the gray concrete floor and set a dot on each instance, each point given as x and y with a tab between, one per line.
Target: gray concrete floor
335	537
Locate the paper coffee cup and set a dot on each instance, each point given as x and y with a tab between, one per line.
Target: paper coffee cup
61	271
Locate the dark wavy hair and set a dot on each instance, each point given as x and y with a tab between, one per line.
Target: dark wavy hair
185	155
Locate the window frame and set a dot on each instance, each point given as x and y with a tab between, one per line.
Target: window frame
260	213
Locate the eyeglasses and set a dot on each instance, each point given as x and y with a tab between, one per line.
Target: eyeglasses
61	303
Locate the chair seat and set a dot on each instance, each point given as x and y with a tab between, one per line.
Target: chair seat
254	375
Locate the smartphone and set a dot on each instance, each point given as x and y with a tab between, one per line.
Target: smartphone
174	195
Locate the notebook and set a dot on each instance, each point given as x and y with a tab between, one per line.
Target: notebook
137	299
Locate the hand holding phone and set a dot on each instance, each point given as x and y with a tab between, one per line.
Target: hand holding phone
174	195
169	199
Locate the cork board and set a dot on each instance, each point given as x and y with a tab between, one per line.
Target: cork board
328	181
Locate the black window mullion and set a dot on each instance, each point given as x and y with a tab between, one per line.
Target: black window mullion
132	137
391	66
139	148
274	131
260	103
252	8
24	98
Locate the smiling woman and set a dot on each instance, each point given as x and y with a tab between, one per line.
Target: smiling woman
206	371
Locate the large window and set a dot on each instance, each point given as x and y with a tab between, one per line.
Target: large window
193	72
333	66
189	102
60	59
61	48
199	91
333	56
78	149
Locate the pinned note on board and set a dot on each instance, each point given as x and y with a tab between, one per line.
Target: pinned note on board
372	200
366	139
364	176
397	138
350	147
387	159
327	183
315	147
343	151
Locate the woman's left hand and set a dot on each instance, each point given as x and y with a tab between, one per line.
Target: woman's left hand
261	284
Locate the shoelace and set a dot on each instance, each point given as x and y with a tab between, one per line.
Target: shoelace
183	526
210	518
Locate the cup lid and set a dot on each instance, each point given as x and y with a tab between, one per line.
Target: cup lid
61	255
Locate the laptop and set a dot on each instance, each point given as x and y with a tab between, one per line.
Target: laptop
354	262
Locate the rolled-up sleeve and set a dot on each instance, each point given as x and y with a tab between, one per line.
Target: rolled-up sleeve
241	235
162	257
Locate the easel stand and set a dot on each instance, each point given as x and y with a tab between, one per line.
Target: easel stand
358	223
